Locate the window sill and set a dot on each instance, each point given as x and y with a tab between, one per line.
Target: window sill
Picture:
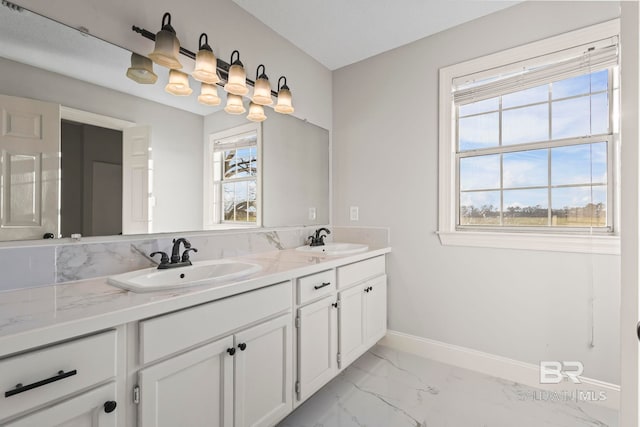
592	244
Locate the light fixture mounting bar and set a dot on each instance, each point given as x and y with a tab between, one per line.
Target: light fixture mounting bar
221	65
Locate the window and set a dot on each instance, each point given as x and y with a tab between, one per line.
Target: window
232	177
529	144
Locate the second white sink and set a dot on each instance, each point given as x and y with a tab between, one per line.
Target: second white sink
200	273
335	249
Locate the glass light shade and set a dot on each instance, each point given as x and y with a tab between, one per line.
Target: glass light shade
234	104
237	83
205	70
284	101
256	113
141	70
262	92
209	95
178	84
167	50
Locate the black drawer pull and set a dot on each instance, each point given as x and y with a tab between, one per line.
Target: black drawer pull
316	287
22	388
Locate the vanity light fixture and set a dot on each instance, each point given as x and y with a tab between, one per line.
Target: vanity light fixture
234	104
178	83
237	80
141	70
284	98
256	112
261	89
212	71
209	95
206	63
167	46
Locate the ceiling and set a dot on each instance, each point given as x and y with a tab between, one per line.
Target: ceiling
341	32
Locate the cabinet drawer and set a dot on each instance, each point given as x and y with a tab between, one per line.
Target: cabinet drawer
357	272
174	332
315	286
86	409
56	371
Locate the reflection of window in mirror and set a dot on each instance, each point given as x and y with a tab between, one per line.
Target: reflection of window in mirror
232	177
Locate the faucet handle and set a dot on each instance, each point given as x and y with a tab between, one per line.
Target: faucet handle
185	254
164	259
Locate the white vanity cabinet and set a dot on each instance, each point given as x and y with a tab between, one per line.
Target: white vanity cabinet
350	317
79	376
317	332
317	346
243	379
263	373
362	318
192	389
89	409
244	357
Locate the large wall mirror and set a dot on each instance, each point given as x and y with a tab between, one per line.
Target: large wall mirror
87	151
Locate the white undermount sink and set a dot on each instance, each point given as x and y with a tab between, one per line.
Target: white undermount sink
200	273
334	249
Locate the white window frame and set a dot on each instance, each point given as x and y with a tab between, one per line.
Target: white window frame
448	233
212	194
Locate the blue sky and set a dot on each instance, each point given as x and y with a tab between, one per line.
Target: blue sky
585	113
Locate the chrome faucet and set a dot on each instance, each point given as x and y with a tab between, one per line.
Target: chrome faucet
176	260
318	238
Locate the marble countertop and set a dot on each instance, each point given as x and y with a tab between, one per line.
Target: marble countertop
40	316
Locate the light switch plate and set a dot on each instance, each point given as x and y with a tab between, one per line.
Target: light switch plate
312	214
353	213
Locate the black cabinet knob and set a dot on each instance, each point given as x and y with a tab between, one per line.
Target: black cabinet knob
231	351
334	305
110	406
242	346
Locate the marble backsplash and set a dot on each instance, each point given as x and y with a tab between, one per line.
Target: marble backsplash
31	266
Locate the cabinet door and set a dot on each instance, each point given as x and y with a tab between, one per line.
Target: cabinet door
85	410
376	311
193	389
317	342
352	324
263	373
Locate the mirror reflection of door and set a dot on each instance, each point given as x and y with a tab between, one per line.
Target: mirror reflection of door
91	190
62	173
30	163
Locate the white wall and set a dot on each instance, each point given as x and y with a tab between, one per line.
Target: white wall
525	305
229	28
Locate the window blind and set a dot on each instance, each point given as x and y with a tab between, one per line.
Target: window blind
248	139
531	73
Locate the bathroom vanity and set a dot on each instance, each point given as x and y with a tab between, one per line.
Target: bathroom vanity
242	353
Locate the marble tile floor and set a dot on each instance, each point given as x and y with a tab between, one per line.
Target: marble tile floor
387	388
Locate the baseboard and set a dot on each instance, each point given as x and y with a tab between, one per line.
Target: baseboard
501	367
